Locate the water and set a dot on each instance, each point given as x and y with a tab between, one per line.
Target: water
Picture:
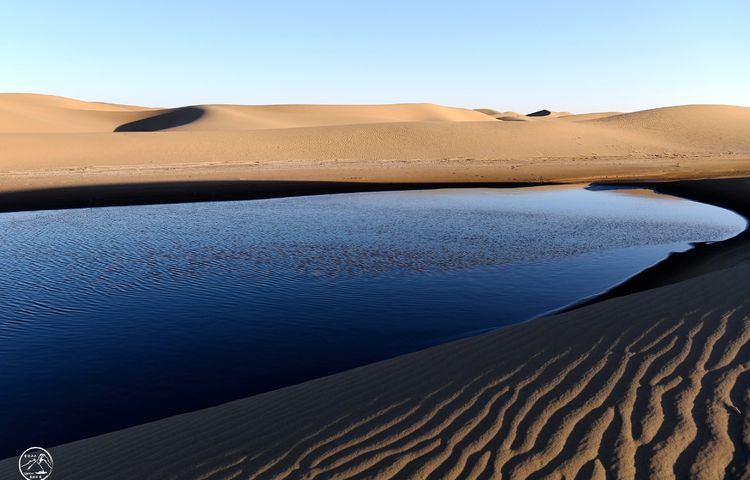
112	317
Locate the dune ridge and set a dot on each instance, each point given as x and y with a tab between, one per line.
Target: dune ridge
30	113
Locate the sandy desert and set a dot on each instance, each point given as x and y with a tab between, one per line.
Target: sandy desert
57	142
652	380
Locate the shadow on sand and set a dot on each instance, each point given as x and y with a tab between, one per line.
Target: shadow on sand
163	121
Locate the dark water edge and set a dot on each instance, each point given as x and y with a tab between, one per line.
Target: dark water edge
708	247
196	191
703	257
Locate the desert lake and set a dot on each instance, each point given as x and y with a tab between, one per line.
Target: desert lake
124	315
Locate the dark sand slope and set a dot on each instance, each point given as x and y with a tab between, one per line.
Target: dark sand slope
654	384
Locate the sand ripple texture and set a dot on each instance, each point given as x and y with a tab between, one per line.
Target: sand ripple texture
652	385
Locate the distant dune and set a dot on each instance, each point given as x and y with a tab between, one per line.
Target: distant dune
504	116
718	127
48	141
580	117
518	117
27	113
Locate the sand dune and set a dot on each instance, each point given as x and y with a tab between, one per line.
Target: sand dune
49	141
488	111
30	113
506	116
513	118
651	385
235	117
27	113
566	116
719	127
380	141
40	101
580	117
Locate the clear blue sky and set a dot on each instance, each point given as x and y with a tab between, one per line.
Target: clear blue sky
511	55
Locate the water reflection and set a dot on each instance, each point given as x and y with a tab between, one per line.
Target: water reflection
125	315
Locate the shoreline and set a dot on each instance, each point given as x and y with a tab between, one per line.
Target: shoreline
36	196
702	257
128	194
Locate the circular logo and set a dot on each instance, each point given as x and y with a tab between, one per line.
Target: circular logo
35	463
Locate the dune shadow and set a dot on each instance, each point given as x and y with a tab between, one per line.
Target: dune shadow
163	121
540	113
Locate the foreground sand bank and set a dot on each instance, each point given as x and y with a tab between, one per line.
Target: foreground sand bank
652	384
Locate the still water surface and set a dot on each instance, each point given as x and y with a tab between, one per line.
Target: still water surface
111	317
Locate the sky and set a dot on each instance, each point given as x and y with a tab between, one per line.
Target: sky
520	55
